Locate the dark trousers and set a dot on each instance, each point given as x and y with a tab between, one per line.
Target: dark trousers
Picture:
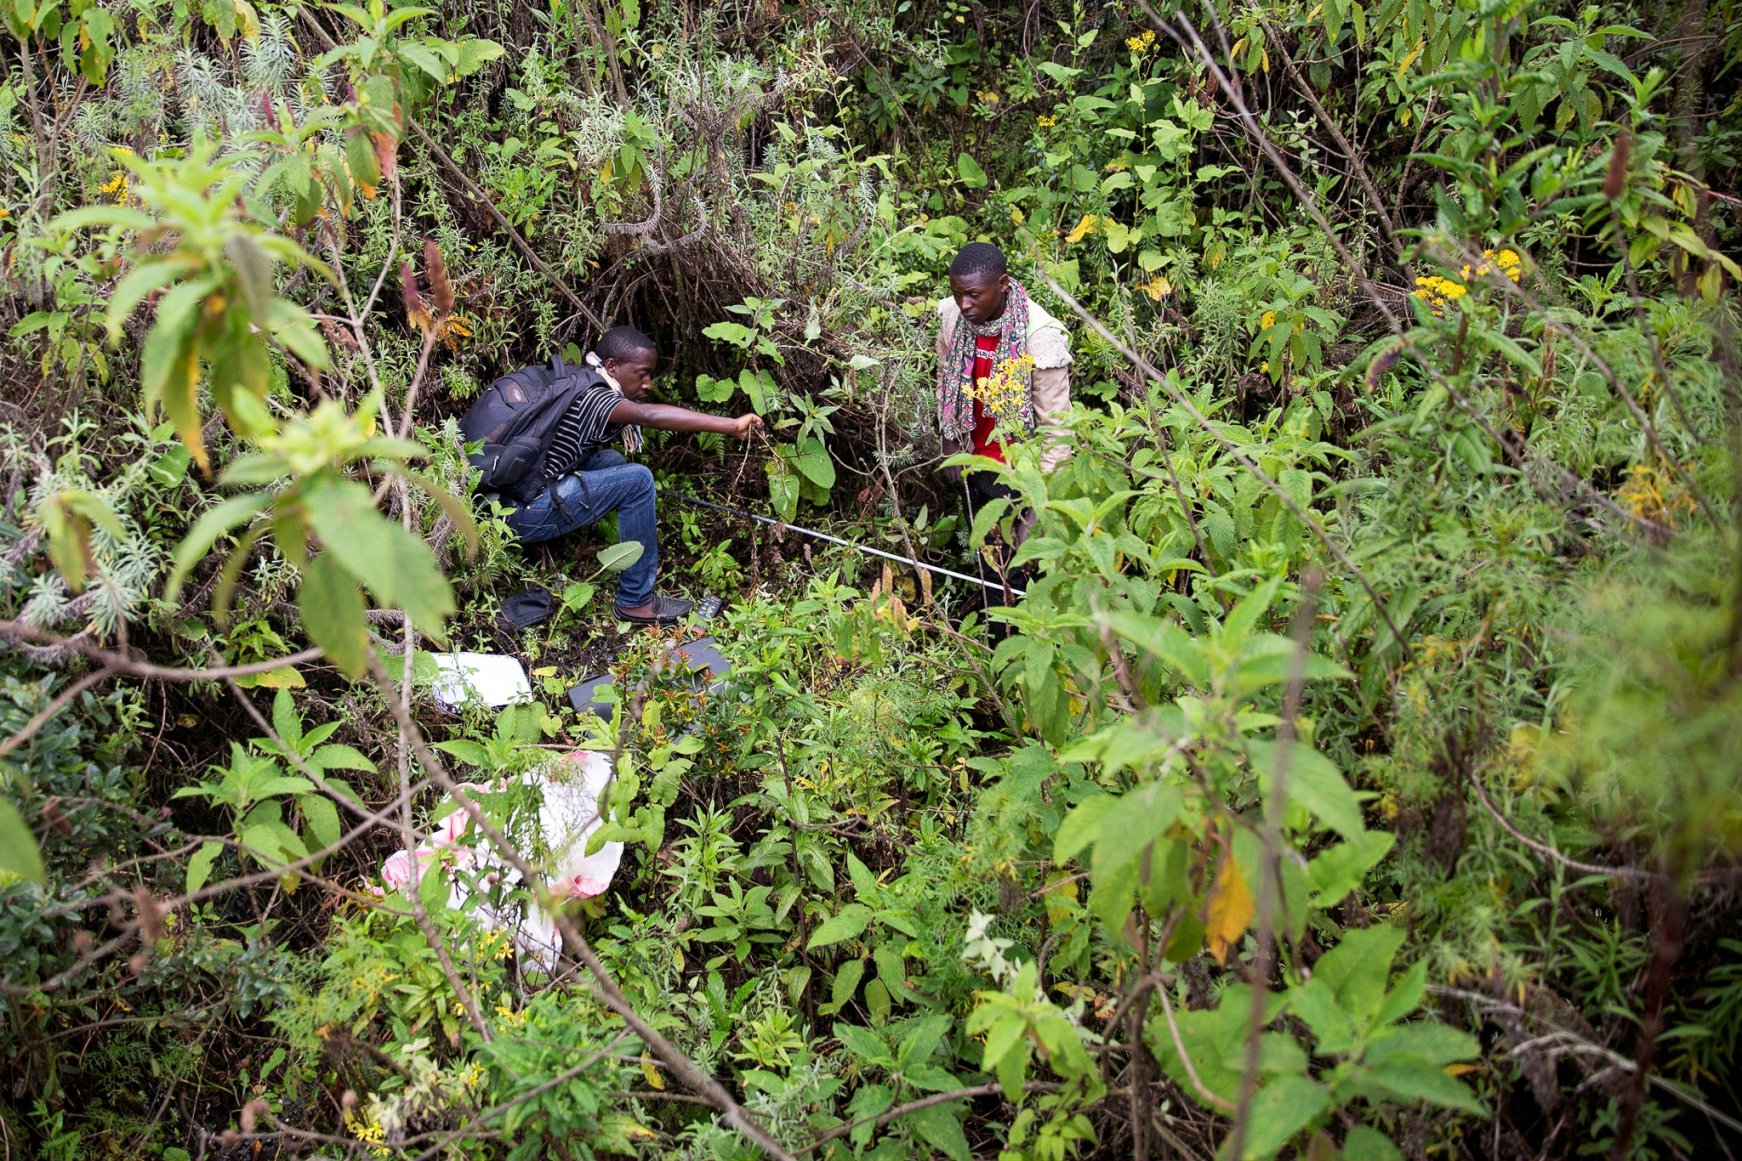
601	484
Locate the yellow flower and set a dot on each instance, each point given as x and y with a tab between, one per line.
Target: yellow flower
1001	392
990	96
1507	262
1437	291
369	1132
1016	216
119	186
1046	122
1267	320
1142	42
1654	494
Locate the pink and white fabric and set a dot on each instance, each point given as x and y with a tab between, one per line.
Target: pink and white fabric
570	790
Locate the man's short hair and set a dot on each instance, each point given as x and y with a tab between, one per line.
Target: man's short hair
621	343
979	260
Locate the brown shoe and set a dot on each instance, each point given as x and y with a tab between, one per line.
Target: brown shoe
666	611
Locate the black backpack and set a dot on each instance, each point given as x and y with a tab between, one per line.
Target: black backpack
515	417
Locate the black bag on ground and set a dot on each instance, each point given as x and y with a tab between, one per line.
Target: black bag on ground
515	418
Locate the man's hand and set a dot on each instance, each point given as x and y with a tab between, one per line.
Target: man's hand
952	474
745	424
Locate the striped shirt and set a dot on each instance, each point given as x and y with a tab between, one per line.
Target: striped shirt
584	427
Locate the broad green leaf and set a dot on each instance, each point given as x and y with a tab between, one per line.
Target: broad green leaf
338	756
1358	967
1424	1083
970	172
121	217
1340	869
1082	826
814	464
1280	1110
334	614
1426	1043
424	58
851	922
891	969
1003	1037
1315	1003
619	556
869	1102
1140	818
169	363
846	983
937	1126
864	882
253	268
474	53
200	866
19	854
213	523
286	722
281	784
865	1044
322	818
930	1078
1405	998
987	518
1312	780
1365	1143
137	285
395	565
783	494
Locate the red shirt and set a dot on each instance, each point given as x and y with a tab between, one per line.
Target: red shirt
985	352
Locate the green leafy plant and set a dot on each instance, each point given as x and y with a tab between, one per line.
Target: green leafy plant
279	817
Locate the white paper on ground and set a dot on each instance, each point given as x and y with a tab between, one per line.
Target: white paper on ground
485	678
568	815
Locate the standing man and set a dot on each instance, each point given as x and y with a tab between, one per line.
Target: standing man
585	480
1003	374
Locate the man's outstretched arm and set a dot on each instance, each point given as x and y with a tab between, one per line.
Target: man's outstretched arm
668	417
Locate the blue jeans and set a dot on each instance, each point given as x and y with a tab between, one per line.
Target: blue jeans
603	483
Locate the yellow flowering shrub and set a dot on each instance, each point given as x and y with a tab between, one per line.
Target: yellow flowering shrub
1654	493
1438	291
1001	392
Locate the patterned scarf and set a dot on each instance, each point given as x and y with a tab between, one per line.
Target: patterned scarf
1008	393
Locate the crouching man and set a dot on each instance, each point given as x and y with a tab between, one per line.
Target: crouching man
586	479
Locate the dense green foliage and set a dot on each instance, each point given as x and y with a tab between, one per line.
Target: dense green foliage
1360	775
